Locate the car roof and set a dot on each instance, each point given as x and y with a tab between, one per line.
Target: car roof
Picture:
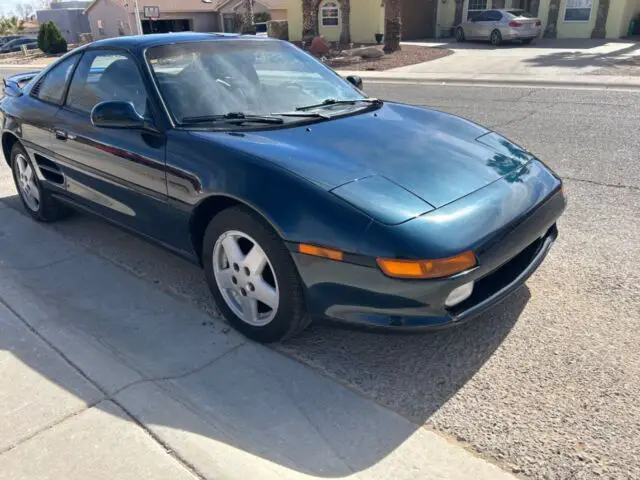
141	42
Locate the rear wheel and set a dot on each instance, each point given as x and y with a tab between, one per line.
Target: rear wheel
252	277
36	200
460	34
496	37
527	41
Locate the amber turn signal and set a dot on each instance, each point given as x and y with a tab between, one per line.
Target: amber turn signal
438	268
320	251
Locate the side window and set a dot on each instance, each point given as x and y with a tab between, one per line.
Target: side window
103	76
51	87
494	16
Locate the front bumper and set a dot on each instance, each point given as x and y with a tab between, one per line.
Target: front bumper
365	296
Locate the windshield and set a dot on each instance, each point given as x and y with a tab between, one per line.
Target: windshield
253	77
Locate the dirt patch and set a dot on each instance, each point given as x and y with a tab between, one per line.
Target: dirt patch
629	67
409	55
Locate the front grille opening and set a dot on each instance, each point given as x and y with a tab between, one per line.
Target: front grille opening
499	278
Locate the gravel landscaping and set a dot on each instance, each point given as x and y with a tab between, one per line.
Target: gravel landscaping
628	67
409	55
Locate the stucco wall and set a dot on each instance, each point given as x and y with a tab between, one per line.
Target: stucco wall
620	14
446	17
367	19
577	29
70	22
109	11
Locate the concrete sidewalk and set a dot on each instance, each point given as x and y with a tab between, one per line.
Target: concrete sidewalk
105	376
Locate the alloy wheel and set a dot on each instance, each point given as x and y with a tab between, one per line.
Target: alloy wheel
245	277
495	38
27	183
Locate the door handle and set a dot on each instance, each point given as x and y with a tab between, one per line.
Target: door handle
61	135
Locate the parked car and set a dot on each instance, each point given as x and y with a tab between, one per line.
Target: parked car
299	195
8	38
497	26
16	45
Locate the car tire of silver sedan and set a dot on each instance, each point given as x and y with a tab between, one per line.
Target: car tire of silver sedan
36	200
252	276
496	38
460	34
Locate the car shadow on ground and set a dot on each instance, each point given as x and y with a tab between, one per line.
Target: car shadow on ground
412	374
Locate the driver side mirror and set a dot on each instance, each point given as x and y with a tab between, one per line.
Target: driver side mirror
355	80
114	114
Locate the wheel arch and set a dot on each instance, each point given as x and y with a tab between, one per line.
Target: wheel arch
9	139
211	206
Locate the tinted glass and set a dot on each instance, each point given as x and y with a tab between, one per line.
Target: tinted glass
105	75
493	16
249	76
54	83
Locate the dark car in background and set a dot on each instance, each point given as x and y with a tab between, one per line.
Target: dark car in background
299	195
17	44
8	38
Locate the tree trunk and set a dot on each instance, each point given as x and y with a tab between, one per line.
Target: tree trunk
247	15
600	29
345	33
552	20
458	16
309	19
392	26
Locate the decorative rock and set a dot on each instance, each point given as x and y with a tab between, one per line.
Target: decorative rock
365	52
319	46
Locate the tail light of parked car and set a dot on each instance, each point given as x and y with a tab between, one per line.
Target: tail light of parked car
513	23
538	23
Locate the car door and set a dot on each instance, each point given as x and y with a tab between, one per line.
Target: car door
35	113
483	25
118	174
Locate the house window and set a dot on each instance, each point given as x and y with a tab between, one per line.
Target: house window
578	10
100	25
475	7
120	28
330	15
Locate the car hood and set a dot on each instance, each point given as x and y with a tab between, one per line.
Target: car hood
435	156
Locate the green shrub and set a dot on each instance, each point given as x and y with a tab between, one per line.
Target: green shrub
50	39
261	17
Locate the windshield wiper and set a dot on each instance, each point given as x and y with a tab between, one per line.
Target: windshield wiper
302	114
333	101
235	118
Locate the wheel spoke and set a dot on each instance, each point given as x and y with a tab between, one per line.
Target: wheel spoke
224	279
28	173
232	249
249	309
266	294
255	260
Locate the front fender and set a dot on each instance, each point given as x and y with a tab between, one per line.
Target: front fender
298	210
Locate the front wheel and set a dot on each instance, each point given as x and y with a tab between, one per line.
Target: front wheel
496	38
252	277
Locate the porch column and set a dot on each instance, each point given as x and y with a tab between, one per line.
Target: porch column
534	6
552	20
458	17
600	30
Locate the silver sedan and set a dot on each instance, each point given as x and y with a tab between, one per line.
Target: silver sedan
499	25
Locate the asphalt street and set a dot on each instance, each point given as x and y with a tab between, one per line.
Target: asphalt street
547	383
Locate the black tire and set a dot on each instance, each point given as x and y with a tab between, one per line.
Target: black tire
496	38
460	34
527	41
48	208
291	316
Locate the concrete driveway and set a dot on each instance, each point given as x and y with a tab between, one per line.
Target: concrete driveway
543	57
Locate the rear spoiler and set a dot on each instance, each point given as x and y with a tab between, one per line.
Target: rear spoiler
12	85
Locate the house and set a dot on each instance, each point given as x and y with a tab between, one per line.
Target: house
358	21
69	18
111	18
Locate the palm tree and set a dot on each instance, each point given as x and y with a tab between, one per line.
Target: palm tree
392	25
247	15
309	19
